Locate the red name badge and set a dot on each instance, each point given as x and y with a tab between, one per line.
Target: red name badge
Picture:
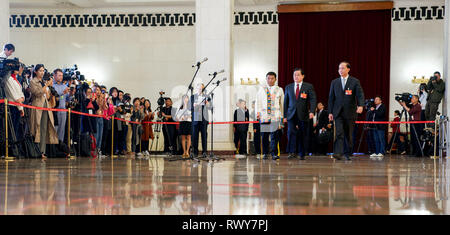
304	95
348	92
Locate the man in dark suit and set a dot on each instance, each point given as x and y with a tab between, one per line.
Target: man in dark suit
378	114
241	115
345	102
299	105
200	118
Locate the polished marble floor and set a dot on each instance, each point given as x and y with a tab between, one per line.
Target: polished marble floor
319	185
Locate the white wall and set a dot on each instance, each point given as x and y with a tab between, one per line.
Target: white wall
140	60
416	50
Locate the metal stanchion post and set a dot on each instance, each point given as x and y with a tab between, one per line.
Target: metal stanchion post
435	139
112	139
68	135
7	157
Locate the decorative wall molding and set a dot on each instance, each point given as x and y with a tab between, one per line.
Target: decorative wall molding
255	18
417	13
102	20
120	20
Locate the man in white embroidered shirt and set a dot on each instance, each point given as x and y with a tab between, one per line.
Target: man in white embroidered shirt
14	93
269	109
8	50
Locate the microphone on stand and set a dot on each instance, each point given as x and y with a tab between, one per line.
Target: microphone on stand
200	62
216	73
223	80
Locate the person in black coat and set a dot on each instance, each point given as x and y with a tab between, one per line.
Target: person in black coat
299	106
378	114
241	115
321	126
345	102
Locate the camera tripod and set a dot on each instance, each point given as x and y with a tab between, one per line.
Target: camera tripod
404	113
366	128
158	129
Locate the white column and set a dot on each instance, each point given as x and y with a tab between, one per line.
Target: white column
446	72
214	41
4	22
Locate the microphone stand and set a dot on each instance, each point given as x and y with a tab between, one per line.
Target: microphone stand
212	157
190	88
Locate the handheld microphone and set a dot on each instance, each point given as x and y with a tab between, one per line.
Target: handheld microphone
217	73
200	62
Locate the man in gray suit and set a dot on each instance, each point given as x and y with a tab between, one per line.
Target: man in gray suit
346	100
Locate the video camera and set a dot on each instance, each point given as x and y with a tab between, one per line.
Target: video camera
7	66
405	97
73	73
162	100
126	106
370	103
433	78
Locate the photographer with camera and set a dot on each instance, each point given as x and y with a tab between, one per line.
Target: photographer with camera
170	135
63	93
137	115
13	91
8	50
436	88
378	114
42	122
118	126
414	111
104	109
90	106
423	96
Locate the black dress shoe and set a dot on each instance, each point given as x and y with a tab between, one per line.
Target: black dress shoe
265	157
292	156
302	158
337	157
275	157
348	158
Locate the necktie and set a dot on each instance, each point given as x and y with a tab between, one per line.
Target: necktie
297	91
343	83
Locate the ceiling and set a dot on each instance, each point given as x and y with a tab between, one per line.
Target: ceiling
120	3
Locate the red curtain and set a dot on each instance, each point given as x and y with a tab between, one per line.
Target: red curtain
318	41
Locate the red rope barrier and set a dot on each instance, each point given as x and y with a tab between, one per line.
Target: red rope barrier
177	123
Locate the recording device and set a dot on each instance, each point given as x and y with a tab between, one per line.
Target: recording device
126	106
427	136
369	103
7	66
423	87
47	76
73	73
162	100
433	78
405	97
200	62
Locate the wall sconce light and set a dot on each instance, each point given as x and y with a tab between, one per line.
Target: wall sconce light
420	80
249	82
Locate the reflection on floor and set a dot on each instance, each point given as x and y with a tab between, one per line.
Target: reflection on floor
319	185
